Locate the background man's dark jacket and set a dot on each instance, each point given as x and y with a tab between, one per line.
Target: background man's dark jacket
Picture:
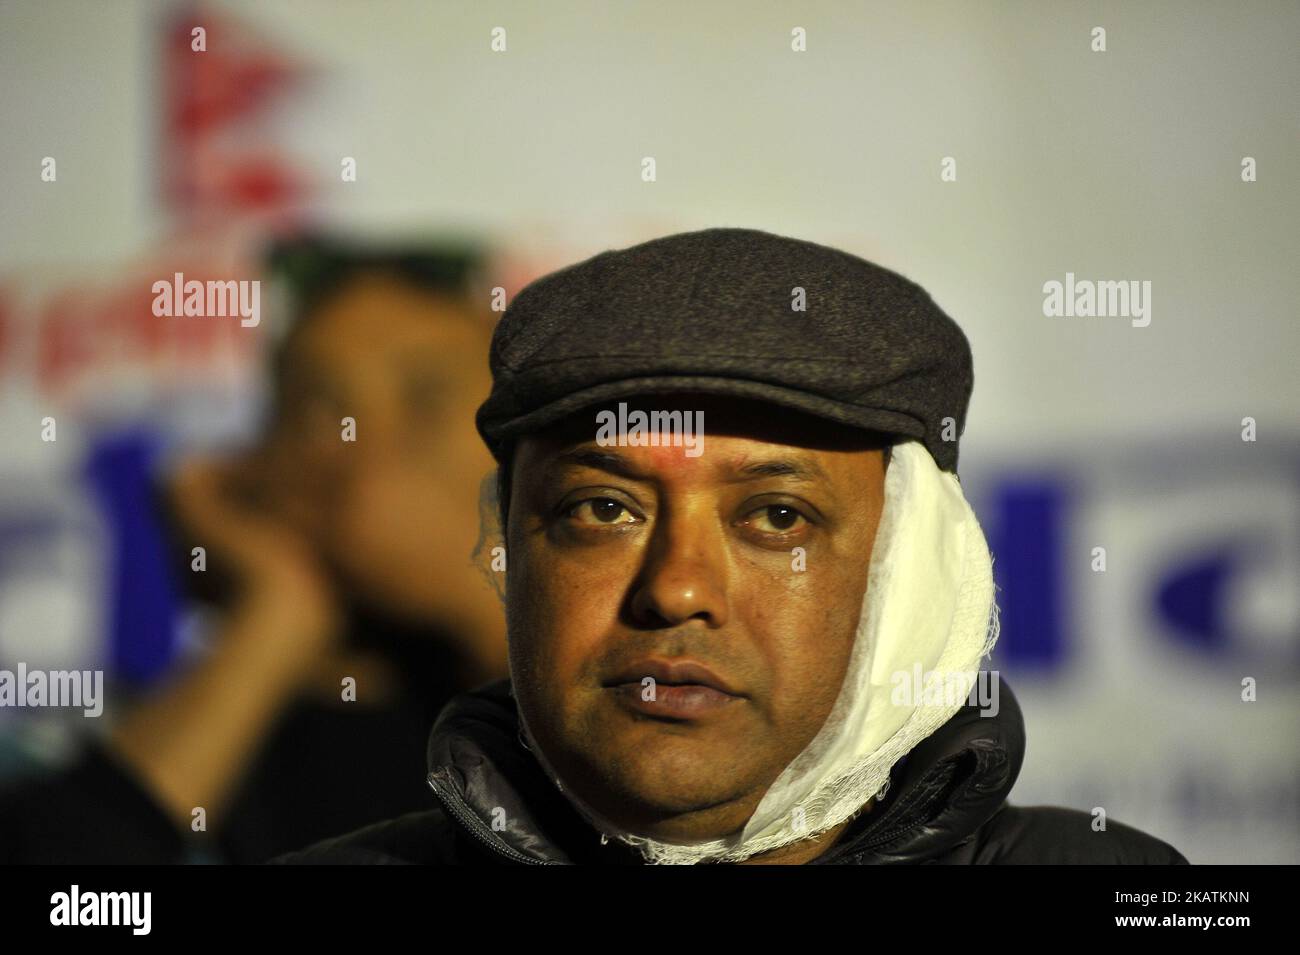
946	804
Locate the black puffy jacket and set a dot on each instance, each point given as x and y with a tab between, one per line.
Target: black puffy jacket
946	803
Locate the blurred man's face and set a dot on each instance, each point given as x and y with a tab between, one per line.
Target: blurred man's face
396	511
626	563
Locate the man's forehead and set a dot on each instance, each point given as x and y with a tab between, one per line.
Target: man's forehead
742	436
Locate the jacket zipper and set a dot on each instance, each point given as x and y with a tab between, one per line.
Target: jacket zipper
470	821
880	841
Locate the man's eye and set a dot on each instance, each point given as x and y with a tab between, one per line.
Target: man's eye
600	510
775	518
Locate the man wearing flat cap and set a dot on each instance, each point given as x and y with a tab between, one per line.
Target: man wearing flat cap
747	601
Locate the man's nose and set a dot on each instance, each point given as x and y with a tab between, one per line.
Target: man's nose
684	576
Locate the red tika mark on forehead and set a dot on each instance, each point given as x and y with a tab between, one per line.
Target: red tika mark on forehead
668	458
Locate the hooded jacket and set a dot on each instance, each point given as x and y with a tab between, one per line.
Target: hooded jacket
946	803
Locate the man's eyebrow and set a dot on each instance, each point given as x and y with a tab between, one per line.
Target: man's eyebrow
798	468
600	460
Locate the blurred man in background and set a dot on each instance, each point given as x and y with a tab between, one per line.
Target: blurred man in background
329	559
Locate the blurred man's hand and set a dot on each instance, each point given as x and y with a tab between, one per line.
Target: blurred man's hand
227	507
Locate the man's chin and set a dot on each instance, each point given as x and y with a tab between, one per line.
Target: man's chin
677	814
668	787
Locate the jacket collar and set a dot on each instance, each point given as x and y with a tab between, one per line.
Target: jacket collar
497	793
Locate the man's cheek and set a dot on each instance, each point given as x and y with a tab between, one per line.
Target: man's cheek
581	581
799	636
534	668
550	624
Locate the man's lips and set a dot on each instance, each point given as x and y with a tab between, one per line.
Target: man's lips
682	689
672	673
